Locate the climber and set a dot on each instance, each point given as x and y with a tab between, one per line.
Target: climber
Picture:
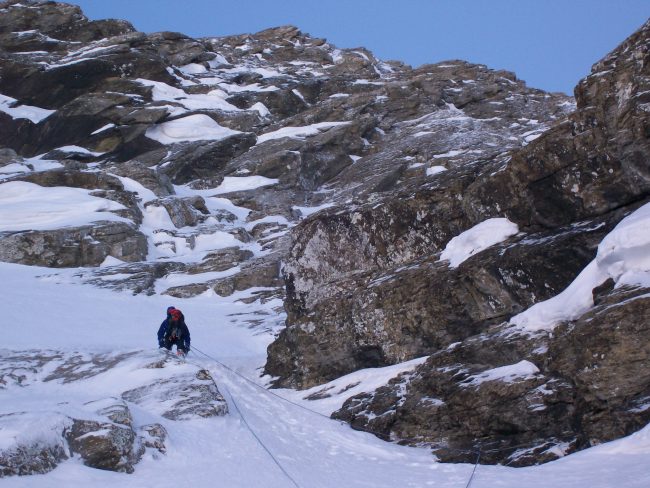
163	327
173	330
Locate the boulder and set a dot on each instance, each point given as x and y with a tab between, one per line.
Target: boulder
147	177
183	212
104	445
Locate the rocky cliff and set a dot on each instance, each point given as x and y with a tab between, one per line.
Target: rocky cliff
384	292
278	164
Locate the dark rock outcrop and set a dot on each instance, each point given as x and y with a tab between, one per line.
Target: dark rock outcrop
401	314
558	393
523	400
536	187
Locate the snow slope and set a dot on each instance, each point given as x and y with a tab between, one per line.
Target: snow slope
315	451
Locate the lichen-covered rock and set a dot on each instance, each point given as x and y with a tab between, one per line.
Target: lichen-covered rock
153	436
38	446
33	459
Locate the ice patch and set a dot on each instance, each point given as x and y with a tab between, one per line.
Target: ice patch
261	109
242	183
512	372
298	132
197	127
448	154
477	239
102	129
193	69
434	170
78	150
11	107
29	165
110	261
255	87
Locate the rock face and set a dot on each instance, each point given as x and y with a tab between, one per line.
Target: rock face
365	287
102	431
523	400
538	187
400	314
274	165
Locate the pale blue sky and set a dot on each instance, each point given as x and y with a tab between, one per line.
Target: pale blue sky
550	44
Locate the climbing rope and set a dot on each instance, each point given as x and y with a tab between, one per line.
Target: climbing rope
267	391
471	478
250	429
252	382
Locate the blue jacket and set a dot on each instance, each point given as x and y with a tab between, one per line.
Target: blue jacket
164	327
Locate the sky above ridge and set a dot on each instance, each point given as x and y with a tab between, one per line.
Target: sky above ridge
550	44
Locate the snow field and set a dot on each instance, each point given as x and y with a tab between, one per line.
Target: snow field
315	451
